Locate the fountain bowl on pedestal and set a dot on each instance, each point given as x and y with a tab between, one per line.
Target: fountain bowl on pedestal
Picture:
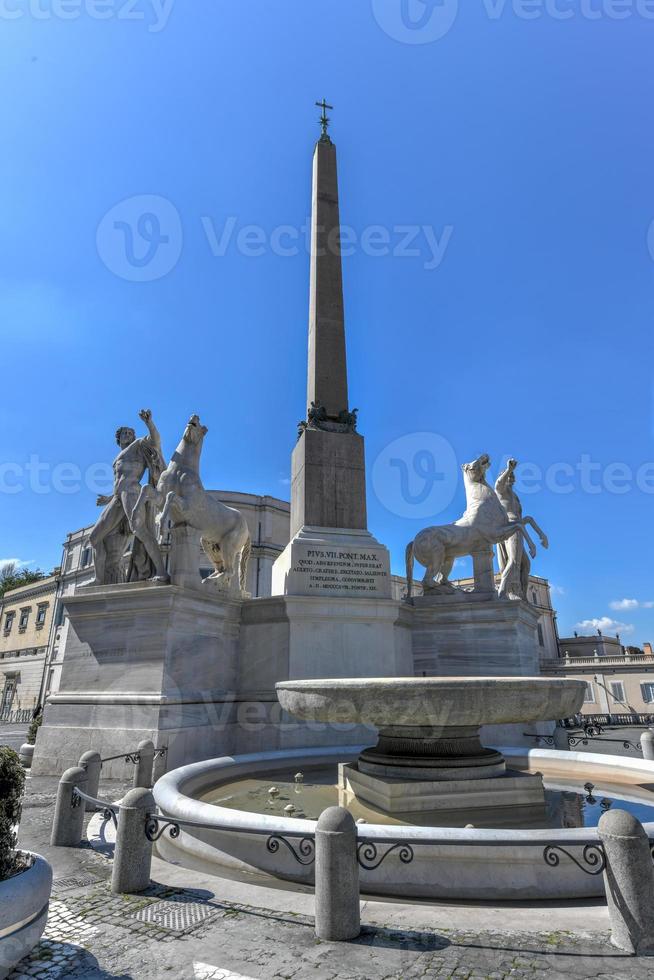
428	754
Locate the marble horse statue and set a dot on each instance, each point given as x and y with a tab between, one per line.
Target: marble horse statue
484	524
181	498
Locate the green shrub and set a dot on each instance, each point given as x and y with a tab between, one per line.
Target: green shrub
12	782
32	731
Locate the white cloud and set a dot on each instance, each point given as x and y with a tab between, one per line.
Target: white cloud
556	589
14	561
619	604
605	624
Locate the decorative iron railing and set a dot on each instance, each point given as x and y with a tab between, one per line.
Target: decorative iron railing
19	716
134	757
108	810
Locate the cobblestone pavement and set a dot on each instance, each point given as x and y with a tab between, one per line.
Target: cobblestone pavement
192	934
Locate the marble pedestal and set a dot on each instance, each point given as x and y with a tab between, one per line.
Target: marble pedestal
196	672
395	795
472	634
468	634
313	637
143	661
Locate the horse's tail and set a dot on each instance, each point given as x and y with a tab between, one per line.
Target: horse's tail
245	557
409	569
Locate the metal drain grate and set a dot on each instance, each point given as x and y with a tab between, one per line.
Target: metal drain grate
178	916
75	881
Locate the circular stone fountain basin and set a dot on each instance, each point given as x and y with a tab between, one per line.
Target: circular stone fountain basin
450	863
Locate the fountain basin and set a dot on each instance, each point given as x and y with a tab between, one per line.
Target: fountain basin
450	863
428	753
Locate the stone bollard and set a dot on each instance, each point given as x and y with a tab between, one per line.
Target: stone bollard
68	823
647	745
337	876
629	881
92	763
133	853
143	768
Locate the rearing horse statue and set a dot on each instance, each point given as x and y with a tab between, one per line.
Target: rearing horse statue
181	498
485	523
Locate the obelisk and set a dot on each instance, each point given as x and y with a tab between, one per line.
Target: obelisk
331	551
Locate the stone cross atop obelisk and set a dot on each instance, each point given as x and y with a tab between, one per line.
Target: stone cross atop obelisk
327	367
331	551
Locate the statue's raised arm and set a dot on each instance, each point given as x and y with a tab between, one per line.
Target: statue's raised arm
505	481
155	459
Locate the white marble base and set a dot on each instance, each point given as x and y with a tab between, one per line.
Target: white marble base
410	796
197	673
323	561
142	661
467	635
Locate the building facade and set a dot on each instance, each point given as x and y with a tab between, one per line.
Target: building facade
26	626
619	680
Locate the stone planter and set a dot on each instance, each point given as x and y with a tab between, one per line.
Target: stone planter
23	912
25	753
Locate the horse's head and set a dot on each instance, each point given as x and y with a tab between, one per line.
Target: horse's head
476	470
194	432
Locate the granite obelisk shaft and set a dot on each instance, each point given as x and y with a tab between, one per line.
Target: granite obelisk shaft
328	484
327	367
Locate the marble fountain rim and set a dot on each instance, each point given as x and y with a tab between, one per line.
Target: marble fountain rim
170	793
447	702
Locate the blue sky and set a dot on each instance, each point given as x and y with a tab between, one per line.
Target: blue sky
511	141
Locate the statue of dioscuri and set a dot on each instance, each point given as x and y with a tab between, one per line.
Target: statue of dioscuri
135	457
485	523
513	560
181	498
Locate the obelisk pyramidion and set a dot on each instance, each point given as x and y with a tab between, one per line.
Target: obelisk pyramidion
331	551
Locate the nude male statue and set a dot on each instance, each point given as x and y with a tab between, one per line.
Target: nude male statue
514	562
135	457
